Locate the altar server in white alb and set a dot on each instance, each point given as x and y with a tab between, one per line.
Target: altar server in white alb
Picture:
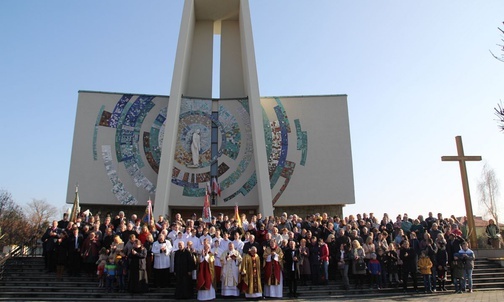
161	249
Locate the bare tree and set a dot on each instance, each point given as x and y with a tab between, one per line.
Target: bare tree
499	112
6	201
501	57
488	188
40	213
13	222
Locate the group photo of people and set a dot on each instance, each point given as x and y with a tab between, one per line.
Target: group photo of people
262	257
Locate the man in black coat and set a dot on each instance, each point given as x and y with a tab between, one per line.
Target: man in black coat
410	262
251	243
138	281
184	265
63	223
291	269
74	243
342	238
49	239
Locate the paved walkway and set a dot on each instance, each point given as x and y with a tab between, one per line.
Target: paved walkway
477	296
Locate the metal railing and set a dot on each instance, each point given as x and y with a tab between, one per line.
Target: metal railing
30	248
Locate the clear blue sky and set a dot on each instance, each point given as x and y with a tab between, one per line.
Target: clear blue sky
417	73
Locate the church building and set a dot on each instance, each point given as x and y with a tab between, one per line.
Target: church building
266	154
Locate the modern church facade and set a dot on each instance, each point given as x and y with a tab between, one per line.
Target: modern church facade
265	154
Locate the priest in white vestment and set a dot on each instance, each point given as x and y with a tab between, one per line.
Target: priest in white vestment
230	260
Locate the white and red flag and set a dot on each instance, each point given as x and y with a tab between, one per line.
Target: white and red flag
216	187
207	213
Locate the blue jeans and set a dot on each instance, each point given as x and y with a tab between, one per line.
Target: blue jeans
121	281
344	275
468	278
326	270
459	283
427	282
433	277
110	283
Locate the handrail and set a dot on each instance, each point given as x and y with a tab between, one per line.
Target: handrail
19	251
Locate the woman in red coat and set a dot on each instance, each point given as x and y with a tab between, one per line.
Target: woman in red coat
90	249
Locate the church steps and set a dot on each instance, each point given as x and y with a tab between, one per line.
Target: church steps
26	280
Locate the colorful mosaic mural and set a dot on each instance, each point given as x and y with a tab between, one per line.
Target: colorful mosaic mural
138	147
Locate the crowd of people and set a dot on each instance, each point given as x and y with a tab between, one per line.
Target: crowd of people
255	258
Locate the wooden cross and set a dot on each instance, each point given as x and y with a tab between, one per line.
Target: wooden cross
461	158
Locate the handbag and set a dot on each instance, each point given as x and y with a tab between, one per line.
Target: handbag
341	265
360	266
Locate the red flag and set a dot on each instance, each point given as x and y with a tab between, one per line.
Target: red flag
216	187
208	189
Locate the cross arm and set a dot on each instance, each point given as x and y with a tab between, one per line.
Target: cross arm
460	158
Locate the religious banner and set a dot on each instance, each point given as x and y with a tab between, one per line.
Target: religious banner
147	217
207	213
76	206
237	215
216	187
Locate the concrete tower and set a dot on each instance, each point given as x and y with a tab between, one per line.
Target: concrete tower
192	77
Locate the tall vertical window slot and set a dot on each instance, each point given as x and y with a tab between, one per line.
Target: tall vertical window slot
216	95
216	60
214	171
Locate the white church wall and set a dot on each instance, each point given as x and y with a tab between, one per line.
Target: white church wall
318	168
117	140
109	126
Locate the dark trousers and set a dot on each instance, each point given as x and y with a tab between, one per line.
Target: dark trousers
50	261
110	283
407	271
162	277
291	278
74	262
315	273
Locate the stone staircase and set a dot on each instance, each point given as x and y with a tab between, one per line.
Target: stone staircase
24	279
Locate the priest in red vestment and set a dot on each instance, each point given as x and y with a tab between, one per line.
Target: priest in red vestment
273	265
206	275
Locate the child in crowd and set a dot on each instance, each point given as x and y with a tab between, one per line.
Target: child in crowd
374	269
122	271
101	262
383	259
110	273
425	265
102	255
458	273
442	265
99	272
392	265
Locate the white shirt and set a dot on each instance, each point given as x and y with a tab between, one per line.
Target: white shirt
161	259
